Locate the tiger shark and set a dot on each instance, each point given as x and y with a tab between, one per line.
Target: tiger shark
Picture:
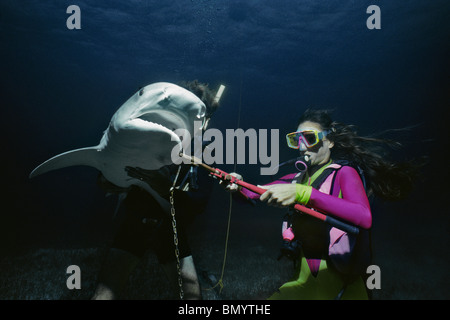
141	134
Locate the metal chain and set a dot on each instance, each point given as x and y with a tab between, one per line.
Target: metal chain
175	236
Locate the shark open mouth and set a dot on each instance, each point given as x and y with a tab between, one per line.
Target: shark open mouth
166	119
168	122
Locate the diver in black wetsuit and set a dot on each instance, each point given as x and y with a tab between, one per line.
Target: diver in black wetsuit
147	225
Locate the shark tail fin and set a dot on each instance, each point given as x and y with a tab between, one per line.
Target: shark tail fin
78	157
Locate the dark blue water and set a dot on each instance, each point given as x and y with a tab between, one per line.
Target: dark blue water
60	87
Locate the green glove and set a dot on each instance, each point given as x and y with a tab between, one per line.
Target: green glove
303	193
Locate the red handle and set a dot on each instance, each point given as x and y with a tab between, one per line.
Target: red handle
332	221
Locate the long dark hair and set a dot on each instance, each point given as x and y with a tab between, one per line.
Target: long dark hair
385	178
205	94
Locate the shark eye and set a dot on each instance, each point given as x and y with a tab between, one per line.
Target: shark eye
141	92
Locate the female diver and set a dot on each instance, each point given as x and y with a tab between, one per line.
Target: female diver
341	169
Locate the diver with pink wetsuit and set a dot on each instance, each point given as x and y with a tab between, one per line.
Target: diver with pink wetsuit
340	169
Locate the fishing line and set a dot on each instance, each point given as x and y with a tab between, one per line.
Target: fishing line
220	281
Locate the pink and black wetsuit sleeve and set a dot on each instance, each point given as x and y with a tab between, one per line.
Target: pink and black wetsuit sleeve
353	207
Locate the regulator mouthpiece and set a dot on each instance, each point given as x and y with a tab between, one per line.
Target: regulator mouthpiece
302	163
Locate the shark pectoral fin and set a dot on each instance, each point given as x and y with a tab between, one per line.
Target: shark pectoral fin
79	157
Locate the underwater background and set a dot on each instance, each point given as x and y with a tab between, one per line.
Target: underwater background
60	87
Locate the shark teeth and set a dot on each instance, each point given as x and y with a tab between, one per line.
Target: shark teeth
157	124
175	122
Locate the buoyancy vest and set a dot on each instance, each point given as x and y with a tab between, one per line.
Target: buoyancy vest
349	254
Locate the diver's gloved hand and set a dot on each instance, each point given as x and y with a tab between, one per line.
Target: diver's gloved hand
231	187
286	194
279	195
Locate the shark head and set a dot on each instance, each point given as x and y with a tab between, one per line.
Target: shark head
148	121
162	106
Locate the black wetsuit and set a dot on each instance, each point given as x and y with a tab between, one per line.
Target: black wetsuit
147	226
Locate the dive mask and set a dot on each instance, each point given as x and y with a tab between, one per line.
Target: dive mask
309	138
